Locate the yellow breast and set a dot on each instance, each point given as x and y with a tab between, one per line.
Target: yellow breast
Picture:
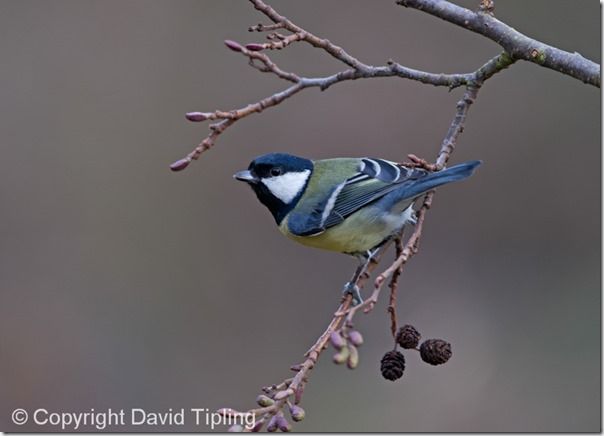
356	234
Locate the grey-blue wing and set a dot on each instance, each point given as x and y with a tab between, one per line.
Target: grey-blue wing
376	178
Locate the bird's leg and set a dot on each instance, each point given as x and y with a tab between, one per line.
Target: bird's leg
351	287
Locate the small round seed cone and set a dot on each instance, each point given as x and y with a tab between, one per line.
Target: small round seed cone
435	351
392	365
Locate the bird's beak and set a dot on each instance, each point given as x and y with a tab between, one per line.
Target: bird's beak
246	176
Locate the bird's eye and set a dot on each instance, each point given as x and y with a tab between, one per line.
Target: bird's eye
276	171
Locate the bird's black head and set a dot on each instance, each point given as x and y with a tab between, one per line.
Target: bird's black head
279	180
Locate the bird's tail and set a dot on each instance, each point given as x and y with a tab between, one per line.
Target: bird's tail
433	180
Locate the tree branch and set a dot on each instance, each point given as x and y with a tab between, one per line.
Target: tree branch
392	69
518	45
339	330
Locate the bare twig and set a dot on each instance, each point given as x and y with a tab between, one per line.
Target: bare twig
518	45
394	287
418	162
267	66
448	144
334	50
265	27
279	42
451	81
295	386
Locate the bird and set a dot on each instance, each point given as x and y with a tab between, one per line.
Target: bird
346	205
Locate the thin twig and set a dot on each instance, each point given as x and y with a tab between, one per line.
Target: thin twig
334	50
265	27
295	386
516	45
486	71
394	287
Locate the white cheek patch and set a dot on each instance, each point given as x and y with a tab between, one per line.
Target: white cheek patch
287	186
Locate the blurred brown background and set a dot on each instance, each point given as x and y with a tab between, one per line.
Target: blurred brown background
126	285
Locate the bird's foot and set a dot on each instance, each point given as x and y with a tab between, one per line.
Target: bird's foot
352	289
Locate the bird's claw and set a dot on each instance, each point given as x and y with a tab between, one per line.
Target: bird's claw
352	289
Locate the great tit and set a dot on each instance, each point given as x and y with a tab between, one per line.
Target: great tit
348	205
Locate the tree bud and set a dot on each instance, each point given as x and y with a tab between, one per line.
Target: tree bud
283	424
341	356
264	401
180	164
353	357
235	46
197	116
297	413
272	425
355	338
337	340
254	47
